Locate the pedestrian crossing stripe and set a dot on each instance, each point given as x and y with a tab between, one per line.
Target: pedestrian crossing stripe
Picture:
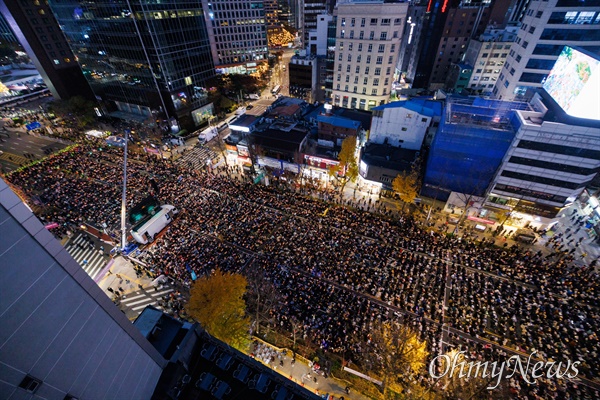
95	258
139	301
13	158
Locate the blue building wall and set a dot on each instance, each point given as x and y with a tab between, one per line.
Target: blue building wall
467	151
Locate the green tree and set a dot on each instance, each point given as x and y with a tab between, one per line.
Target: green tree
406	185
78	107
217	303
394	352
347	170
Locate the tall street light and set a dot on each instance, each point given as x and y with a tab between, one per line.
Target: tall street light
124	196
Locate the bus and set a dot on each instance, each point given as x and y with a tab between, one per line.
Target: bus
146	230
276	90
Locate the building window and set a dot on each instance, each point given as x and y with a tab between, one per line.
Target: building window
395	36
339	67
337	86
397	21
358	58
367	69
362	22
360	47
390	59
342	33
368	59
373	92
393	48
341	46
30	384
351	34
378	71
383	36
387	81
349	57
339	77
364	90
347	78
365	80
358	69
539	14
370	48
385	21
381	48
355	89
348	68
373	21
340	56
361	35
352	22
356	80
371	35
343	21
346	88
375	81
56	61
388	70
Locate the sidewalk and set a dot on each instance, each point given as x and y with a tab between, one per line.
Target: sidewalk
301	373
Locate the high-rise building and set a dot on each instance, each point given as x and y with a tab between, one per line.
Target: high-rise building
449	26
545	28
311	10
487	55
556	151
39	34
412	40
61	337
145	59
238	34
6	33
271	13
368	36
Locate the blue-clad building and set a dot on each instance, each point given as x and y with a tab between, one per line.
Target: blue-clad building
473	137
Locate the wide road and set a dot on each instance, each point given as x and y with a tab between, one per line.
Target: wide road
16	145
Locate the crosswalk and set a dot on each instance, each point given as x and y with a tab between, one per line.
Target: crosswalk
197	158
138	300
89	257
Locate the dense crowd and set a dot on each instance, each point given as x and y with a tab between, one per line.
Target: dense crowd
340	269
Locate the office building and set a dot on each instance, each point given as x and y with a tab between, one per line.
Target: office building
311	12
271	13
368	36
7	36
545	28
303	76
556	151
38	32
238	35
412	39
487	55
61	337
148	61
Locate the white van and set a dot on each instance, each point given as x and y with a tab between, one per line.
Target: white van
254	96
207	135
145	231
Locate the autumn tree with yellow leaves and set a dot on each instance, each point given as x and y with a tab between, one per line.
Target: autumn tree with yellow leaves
217	303
394	351
347	169
406	185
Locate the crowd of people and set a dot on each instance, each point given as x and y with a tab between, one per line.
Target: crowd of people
339	269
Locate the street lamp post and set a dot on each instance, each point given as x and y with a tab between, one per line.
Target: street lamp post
124	196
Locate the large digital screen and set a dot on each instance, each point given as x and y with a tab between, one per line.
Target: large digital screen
574	83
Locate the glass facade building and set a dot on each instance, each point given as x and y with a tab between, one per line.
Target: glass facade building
471	141
144	57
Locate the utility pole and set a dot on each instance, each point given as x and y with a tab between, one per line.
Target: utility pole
124	196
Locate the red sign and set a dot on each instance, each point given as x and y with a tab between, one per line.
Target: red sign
483	221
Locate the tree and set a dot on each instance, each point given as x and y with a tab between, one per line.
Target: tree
407	186
217	303
394	350
262	297
347	170
78	107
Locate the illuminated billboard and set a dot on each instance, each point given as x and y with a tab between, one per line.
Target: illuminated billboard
574	84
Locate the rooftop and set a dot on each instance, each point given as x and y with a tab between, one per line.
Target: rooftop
338	121
425	107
